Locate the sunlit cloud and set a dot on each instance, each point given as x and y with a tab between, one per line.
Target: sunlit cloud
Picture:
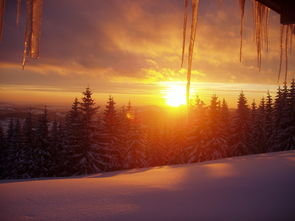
120	48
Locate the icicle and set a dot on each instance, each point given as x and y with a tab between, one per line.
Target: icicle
287	32
281	51
32	33
292	33
184	29
254	18
36	27
18	11
261	16
286	52
2	9
242	6
28	31
195	6
256	31
266	27
288	45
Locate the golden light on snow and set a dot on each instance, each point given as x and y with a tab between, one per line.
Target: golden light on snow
175	95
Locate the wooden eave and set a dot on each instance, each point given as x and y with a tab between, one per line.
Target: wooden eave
286	9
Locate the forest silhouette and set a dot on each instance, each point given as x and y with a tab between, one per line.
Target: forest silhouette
89	139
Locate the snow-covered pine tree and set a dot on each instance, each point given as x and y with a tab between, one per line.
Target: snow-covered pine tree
288	130
73	140
240	130
8	159
291	113
172	142
2	153
28	145
110	121
99	140
197	136
256	125
89	154
268	123
263	125
261	107
277	115
56	148
2	138
281	120
53	137
131	140
18	167
124	128
41	153
14	151
216	143
179	140
136	142
253	144
153	150
61	130
162	151
225	125
10	131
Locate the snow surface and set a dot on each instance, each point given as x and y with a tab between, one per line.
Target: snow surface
256	187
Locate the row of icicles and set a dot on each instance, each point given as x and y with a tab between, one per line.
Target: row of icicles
260	19
32	29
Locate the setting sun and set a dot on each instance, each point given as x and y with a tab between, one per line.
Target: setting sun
175	95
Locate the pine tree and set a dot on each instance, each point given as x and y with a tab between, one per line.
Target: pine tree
8	160
131	140
18	152
240	132
153	150
216	145
89	155
257	137
56	149
124	127
110	121
3	154
136	144
10	132
165	146
253	148
264	124
281	120
41	154
225	125
268	123
290	115
73	141
13	133
14	152
28	145
194	150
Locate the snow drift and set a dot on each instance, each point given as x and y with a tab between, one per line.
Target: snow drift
256	187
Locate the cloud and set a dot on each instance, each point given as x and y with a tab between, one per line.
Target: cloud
132	43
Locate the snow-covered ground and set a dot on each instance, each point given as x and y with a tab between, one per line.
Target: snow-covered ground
256	187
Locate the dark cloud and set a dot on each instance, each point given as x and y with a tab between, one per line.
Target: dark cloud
75	32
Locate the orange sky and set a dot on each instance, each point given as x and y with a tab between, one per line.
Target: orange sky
132	50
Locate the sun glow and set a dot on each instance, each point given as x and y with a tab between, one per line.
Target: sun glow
175	95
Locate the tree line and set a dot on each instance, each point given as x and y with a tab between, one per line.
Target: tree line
88	140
